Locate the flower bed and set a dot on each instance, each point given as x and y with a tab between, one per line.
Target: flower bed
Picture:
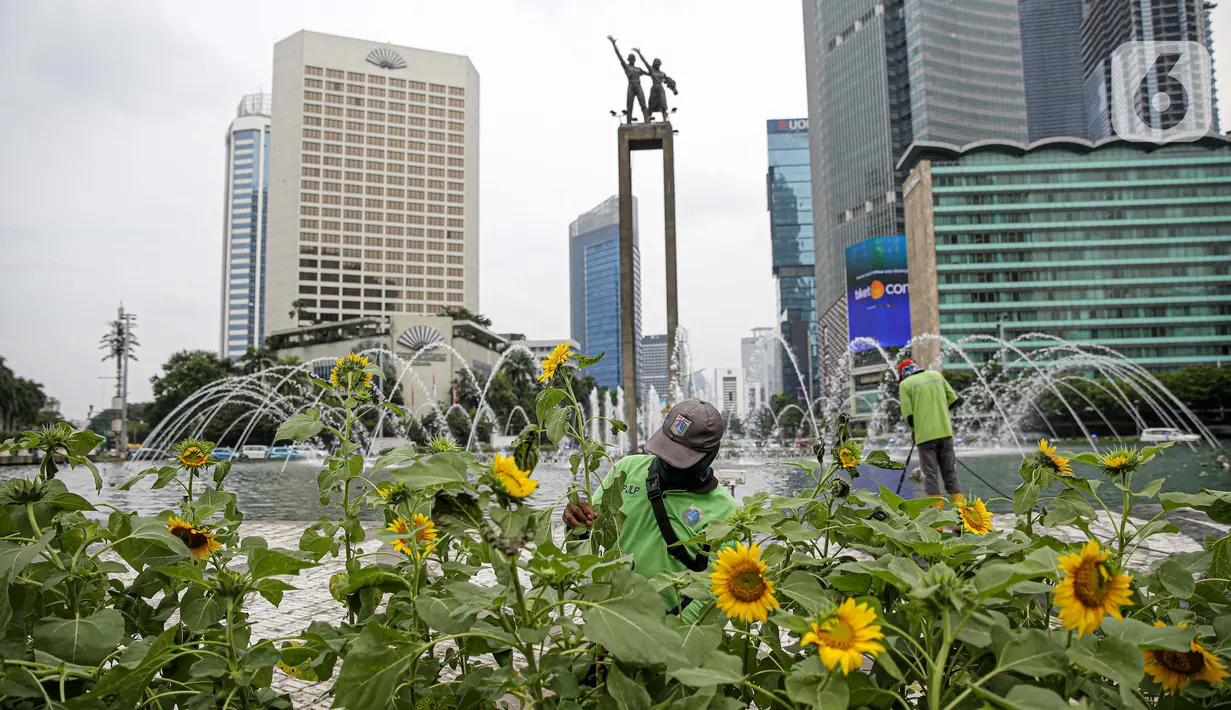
835	597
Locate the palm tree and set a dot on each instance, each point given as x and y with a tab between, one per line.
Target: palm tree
21	400
256	360
117	344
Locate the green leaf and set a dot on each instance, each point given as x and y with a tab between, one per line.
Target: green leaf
1025	697
1113	658
625	629
376	664
880	459
584	361
301	426
137	666
199	614
804	589
83	640
1143	635
166	474
1024	498
1216	504
1030	652
1220	560
718	668
1150	452
627	694
426	472
393	408
1175	579
1152	488
556	419
264	562
401	454
546	401
811	684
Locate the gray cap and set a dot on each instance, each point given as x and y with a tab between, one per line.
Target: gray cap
692	430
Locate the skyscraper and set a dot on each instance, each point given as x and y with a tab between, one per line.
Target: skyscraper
1109	24
789	190
594	289
1051	66
654	361
760	358
375	183
243	230
882	74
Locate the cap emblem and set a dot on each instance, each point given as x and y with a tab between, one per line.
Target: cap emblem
680	425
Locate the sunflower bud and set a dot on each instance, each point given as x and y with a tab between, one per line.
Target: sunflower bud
20	491
526	453
840	488
818	449
442	444
879	514
337	586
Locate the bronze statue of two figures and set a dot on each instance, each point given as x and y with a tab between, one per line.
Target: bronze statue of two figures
659	83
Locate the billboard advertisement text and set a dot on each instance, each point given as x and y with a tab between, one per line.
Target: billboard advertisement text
878	291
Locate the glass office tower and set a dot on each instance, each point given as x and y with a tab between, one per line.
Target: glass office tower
243	233
1051	66
594	289
789	188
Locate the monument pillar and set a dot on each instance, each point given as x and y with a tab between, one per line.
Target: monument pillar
631	137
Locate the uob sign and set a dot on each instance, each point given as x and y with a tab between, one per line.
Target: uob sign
878	291
788	125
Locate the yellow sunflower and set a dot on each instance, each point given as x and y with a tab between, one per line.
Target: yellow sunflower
1045	447
199	541
848	454
552	362
975	518
513	480
424	533
347	364
1047	456
739	583
193	457
1118	462
1090	590
1173	669
845	636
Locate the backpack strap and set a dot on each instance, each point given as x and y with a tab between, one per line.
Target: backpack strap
653	489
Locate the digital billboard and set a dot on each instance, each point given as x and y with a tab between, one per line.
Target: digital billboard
878	291
787	125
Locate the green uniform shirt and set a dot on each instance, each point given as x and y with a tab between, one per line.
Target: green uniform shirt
927	395
641	538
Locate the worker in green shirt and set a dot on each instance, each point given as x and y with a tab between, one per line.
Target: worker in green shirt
670	494
926	398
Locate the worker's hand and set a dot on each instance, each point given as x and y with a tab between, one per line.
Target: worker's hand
575	515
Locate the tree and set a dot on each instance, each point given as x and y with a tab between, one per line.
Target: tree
255	360
184	373
21	400
299	313
734	425
463	313
789	417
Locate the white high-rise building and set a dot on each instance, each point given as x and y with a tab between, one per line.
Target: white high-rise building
374	182
244	228
728	393
762	369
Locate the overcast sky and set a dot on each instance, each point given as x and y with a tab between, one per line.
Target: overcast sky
113	118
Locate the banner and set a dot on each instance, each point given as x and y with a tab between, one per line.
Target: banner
878	292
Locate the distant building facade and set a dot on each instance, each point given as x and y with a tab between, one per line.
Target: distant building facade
654	363
880	75
374	186
1051	68
1110	23
789	190
728	393
1111	243
594	289
759	355
244	231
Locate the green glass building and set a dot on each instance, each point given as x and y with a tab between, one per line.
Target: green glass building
1115	243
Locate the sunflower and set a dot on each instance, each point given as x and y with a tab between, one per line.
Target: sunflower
347	364
424	533
975	518
1174	669
845	636
1047	456
512	479
193	454
199	541
848	454
552	362
1118	462
1090	590
739	583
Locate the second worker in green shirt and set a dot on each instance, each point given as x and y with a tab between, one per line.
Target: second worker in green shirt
670	494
